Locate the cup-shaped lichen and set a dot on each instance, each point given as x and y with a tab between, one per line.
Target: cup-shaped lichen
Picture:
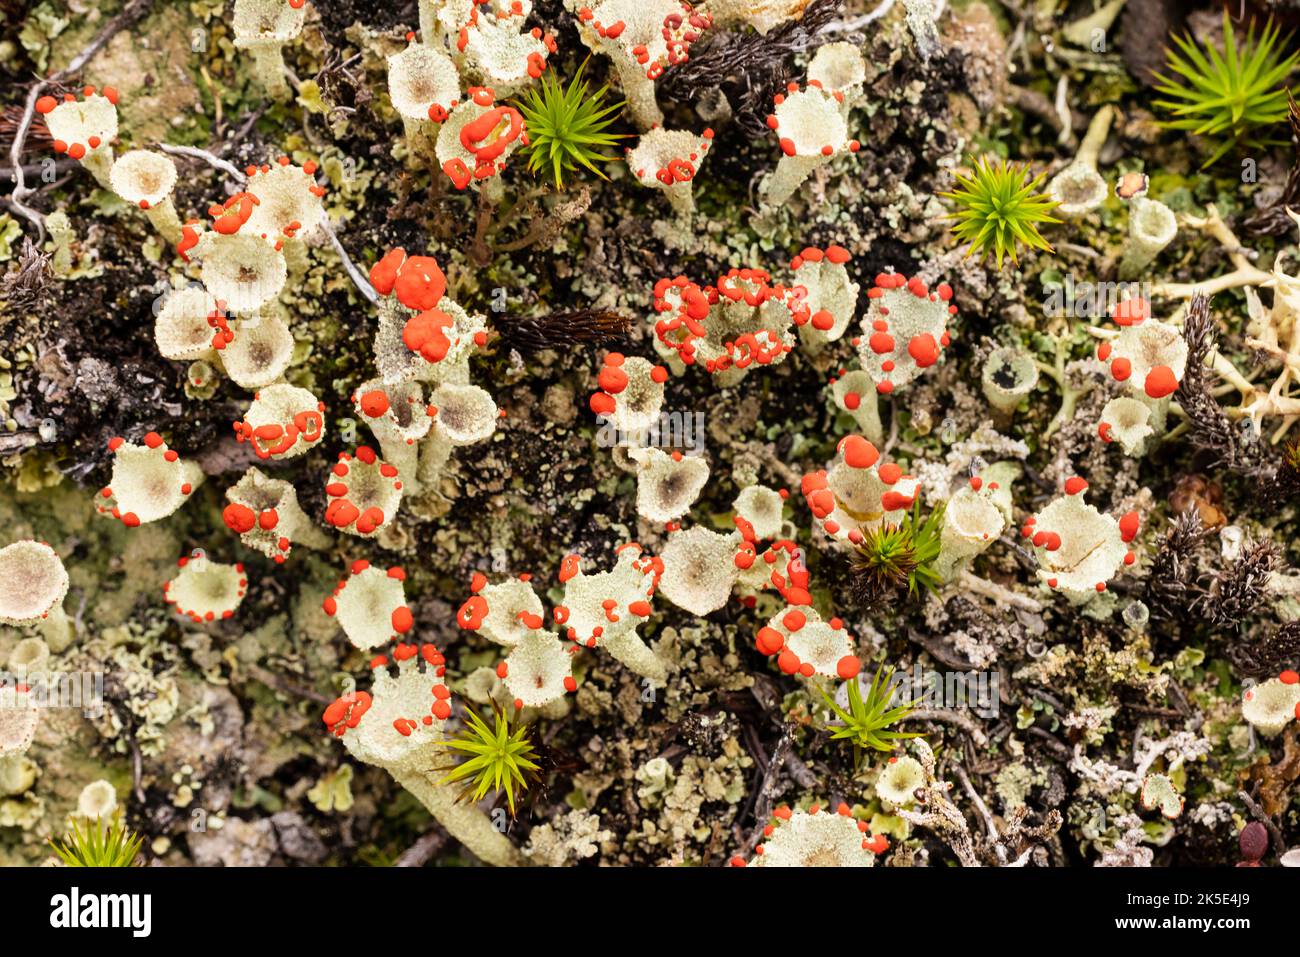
1151	227
183	328
282	422
815	838
538	671
598	610
811	130
19	719
98	799
500	52
761	508
465	415
263	27
370	605
364	492
642	38
839	69
84	128
855	393
204	590
1079	188
146	179
972	522
899	780
1078	548
1148	355
762	15
1009	374
33	583
605	609
242	270
668	160
699	569
259	351
265	514
805	644
502	613
422	333
667	483
1127	420
424	87
149	481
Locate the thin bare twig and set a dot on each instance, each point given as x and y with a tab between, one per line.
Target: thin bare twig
230	169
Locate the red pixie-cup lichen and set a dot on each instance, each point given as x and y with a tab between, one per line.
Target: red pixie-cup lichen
84	128
502	613
183	328
904	333
400	418
149	481
858	492
905	330
423	334
1078	548
1148	359
811	130
370	605
424	337
631	395
363	492
33	584
816	838
282	422
805	644
1270	706
399	725
669	160
477	139
499	50
204	590
830	296
265	514
741	321
642	38
538	671
840	70
290	203
779	567
597	610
